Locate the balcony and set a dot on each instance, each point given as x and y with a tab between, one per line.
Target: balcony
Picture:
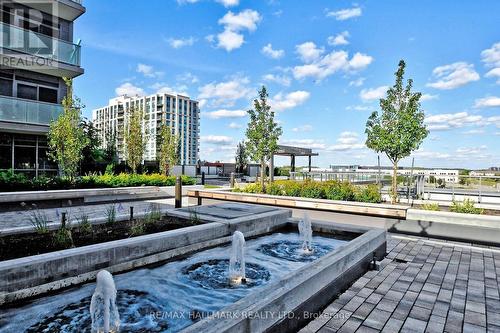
15	110
25	41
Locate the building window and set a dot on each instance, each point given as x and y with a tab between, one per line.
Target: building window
48	95
26	92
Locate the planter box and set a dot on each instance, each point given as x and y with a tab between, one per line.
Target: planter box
383	210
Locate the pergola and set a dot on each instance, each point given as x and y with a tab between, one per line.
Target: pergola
292	152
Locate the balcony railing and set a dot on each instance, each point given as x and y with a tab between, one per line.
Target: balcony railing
20	40
26	111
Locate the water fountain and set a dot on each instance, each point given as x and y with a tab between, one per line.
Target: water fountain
103	310
305	231
237	259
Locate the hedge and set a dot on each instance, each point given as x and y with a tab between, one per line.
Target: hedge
332	190
10	182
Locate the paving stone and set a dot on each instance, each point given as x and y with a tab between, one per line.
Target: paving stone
420	313
414	325
377	319
387	305
351	325
475	306
454	322
469	328
393	325
364	310
475	318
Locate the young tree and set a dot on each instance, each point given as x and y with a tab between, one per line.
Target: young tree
262	133
110	152
92	154
241	157
135	140
400	128
66	138
167	152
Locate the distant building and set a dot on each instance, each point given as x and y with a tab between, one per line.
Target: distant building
178	112
448	175
36	52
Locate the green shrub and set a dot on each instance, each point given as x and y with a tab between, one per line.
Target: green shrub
312	189
252	188
291	188
9	181
336	190
370	193
274	189
137	230
39	221
332	190
465	207
110	214
430	206
62	238
84	225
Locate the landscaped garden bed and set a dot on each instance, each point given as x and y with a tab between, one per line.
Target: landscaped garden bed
10	182
332	190
42	240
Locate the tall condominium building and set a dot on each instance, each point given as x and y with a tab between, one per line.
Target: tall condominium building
178	112
36	52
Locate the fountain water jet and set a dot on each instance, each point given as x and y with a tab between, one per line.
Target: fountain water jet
103	310
237	259
305	231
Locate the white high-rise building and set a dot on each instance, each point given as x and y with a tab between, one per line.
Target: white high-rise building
178	112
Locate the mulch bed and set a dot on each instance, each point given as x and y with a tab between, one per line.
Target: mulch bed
29	244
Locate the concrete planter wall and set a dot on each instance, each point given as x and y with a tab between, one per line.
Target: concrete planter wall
466	227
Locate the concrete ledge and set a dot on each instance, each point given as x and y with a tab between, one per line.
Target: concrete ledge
308	289
30	276
472	228
384	210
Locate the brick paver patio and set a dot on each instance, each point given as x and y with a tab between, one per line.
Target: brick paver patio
423	285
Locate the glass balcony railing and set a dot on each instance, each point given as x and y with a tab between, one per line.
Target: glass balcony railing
17	40
26	111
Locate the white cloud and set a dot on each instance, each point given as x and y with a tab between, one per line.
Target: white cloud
303	128
339	39
494	73
223	113
359	61
183	2
229	3
177	43
279	79
347	141
162	88
308	51
217	139
234	125
244	20
474	132
374	93
282	102
453	76
304	143
447	121
345	14
272	53
225	93
491	57
319	67
230	40
428	97
148	71
357	83
358	108
487	102
130	90
188	77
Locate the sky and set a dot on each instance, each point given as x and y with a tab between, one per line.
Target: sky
325	65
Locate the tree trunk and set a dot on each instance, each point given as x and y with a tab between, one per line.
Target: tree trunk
394	194
262	174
